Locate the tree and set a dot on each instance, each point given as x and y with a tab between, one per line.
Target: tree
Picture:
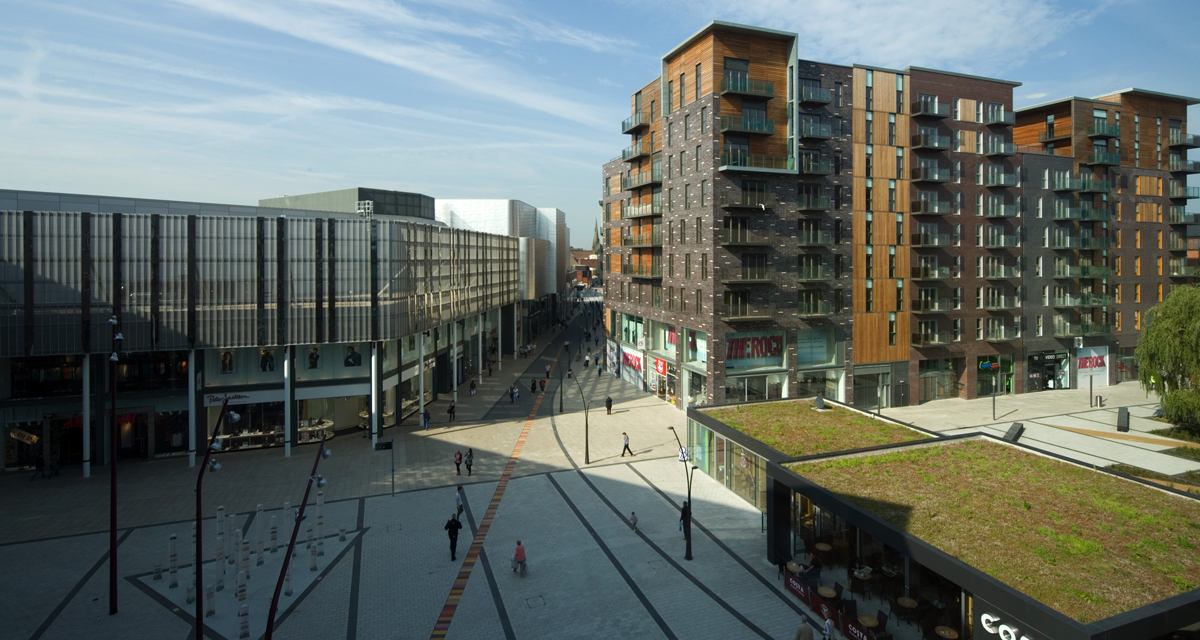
1168	354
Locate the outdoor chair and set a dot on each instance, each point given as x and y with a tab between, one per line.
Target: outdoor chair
883	619
856	586
850	609
837	591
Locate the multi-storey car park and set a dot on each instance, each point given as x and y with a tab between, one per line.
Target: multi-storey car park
782	227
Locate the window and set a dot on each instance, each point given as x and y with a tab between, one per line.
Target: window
979	328
682	301
687	266
682	83
837	163
1040	330
892	196
837	127
899	93
697	81
704	266
837	197
671	267
957	102
670	161
1137	292
870	194
899	295
687	127
899	163
1117	317
670	92
682	162
683	232
957	329
869	127
704	193
870	92
699	301
900	228
892	129
837	94
698	224
703	119
892	329
687	196
1160	292
870	295
698	157
1137	320
869	223
1117	294
670	298
1117	266
1137	266
671	199
956	297
869	151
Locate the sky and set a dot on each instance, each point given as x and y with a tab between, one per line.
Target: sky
231	101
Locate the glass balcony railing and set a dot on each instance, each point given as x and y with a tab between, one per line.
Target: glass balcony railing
1181	271
932	207
998	179
1000	334
1095	328
930	141
743	124
1083	243
933	273
815	130
1092	185
930	240
642	179
815	166
1101	157
747	199
1001	303
641	210
814	308
932	305
999	117
747	237
1073	329
1092	243
653	239
1064	183
638	150
999	148
1052	135
1082	271
930	174
815	95
636	121
1184	166
747	87
643	270
998	210
936	338
1180	139
747	312
739	160
748	275
1178	215
930	109
805	238
1089	214
1067	213
1103	130
809	202
1082	300
814	273
1180	191
999	241
1176	243
1000	272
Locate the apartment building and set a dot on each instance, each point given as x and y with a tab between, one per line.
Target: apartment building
782	227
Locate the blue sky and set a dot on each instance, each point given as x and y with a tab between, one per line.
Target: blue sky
236	100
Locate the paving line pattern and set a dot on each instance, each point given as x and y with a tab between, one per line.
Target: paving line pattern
464	574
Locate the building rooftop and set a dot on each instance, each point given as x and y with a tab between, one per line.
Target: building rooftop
1087	543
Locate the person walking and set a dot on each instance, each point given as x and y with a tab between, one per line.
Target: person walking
633	520
608	405
472	387
39	468
803	632
512	394
516	395
451	411
685	520
468	460
542	383
827	632
458	460
458	500
626	437
452	527
426	417
547	372
519	558
489	369
532	387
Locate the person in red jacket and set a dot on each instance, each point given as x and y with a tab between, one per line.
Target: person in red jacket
519	558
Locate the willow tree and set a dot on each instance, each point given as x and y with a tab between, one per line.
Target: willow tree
1168	354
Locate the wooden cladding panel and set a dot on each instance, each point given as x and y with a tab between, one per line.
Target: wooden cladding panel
871	336
885	165
859	197
614	263
884	94
966	110
684	63
1149	186
859	91
859	158
902	130
859	132
768	62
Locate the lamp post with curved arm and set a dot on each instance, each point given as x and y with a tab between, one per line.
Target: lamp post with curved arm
586	440
208	463
687	514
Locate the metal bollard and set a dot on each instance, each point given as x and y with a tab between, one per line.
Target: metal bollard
244	625
191	593
220	563
158	571
274	536
174	582
313	554
241	586
287	584
235	537
258	533
210	602
309	539
245	557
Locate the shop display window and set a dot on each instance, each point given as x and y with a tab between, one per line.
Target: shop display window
696	349
44	377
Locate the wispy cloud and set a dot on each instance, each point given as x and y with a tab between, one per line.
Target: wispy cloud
1035	96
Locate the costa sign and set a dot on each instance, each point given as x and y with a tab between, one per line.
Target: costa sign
992	624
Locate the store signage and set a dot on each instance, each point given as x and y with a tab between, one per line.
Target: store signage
660	366
1092	362
23	436
243	397
995	625
632	361
748	349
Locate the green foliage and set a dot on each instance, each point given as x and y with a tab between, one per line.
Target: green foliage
1168	354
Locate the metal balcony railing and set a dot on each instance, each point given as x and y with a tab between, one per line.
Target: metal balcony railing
815	130
1001	272
814	308
815	166
930	109
933	273
1052	135
1176	243
932	207
748	87
819	273
747	312
1082	271
999	334
930	141
747	275
1179	215
653	239
930	240
1103	130
747	237
999	117
933	339
999	179
814	238
999	241
1180	191
742	124
642	179
1092	185
1185	166
739	160
999	148
1181	271
1101	157
639	149
1180	139
806	202
1082	300
1089	214
641	210
747	199
930	174
637	120
643	270
1067	213
1000	210
1001	303
815	95
1064	183
932	305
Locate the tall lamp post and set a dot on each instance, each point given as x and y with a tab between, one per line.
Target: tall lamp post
112	471
322	453
687	516
212	465
586	455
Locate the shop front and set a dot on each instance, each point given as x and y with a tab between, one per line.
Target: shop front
663	347
1091	364
259	421
737	467
1126	364
938	378
755	366
1049	370
695	368
820	357
994	374
872	386
631	367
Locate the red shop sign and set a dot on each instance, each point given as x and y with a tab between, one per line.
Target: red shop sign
660	366
631	360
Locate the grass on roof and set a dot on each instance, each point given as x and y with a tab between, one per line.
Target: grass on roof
797	429
1088	544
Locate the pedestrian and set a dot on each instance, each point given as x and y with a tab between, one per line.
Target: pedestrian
599	369
685	520
458	500
626	437
489	369
512	394
468	460
472	387
452	527
451	411
533	387
458	463
585	362
519	558
828	630
516	395
803	632
608	405
543	386
39	468
53	470
633	520
547	372
426	417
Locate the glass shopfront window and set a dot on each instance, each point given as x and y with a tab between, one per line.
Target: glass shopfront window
697	388
696	349
939	378
663	338
826	382
333	361
45	377
633	331
171	432
731	465
259	425
872	387
817	347
995	373
754	388
754	351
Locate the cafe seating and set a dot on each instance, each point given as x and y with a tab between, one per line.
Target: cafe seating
850	609
883	619
837	591
902	613
856	586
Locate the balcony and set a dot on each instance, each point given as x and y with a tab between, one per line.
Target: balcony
1181	271
1064	183
1091	185
808	202
1082	271
1177	215
931	207
1001	272
922	109
815	166
733	160
748	275
747	312
747	199
1180	191
747	237
1088	243
1186	140
1053	136
1103	130
1001	303
1095	328
641	180
637	121
1101	157
1176	243
933	273
640	240
1082	243
999	241
930	240
741	124
641	210
935	339
1075	329
814	309
999	148
932	305
1089	214
930	141
815	95
999	117
815	130
1082	300
638	150
1067	213
930	174
1184	166
1000	179
747	87
806	238
1000	334
818	273
642	270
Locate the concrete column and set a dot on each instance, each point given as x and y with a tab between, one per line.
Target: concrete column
421	379
454	360
191	366
374	408
287	402
87	415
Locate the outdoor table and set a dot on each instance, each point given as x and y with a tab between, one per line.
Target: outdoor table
794	568
907	602
868	621
864	577
826	592
946	632
823	546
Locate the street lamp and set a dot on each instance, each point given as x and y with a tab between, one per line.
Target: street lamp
112	472
214	466
687	509
322	453
586	455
